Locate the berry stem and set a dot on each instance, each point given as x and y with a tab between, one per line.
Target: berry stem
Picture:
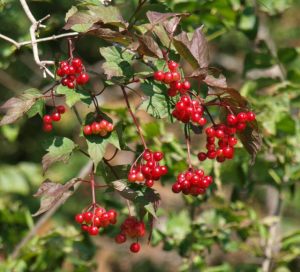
133	118
70	48
188	145
209	115
92	177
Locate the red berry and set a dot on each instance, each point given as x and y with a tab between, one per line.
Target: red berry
202	121
228	152
147	155
159	75
158	156
186	85
168	78
60	72
47	127
82	79
250	116
176	188
231	119
219	134
64	81
76	62
175	76
95	127
87	217
120	238
61	109
71	85
210	132
232	141
100	211
172	65
63	63
135	247
55	116
240	127
47	119
93	231
79	218
149	183
163	170
85	227
139	177
202	156
71	71
87	130
131	177
242	117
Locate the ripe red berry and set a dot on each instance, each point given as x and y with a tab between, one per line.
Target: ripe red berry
250	116
71	84
172	65
120	238
202	156
163	170
210	132
231	119
240	126
82	79
47	127
186	85
79	218
158	156
61	109
168	78
242	117
93	230
159	75
95	127
55	116
135	247
60	72
76	62
47	119
176	188
87	130
149	183
87	217
147	155
175	76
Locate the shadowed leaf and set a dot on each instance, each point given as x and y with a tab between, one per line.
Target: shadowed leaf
51	192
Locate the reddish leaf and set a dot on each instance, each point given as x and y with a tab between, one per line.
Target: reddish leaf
171	25
157	17
16	107
51	192
149	47
212	74
122	188
195	51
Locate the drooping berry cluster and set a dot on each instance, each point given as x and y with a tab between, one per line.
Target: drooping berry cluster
72	72
132	228
101	128
192	182
225	137
91	222
149	169
173	79
189	110
54	117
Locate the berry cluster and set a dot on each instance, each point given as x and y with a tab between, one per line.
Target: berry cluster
54	117
91	222
72	72
192	182
133	228
225	134
102	128
173	78
187	110
149	168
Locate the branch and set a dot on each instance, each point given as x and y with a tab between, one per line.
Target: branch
85	170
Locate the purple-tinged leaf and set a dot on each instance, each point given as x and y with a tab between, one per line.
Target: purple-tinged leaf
51	192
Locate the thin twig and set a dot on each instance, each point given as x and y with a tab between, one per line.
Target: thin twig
133	117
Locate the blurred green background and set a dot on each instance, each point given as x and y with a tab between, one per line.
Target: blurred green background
253	209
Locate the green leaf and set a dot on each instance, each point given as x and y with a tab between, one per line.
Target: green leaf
97	146
16	107
118	62
59	149
83	20
73	96
157	104
287	54
37	108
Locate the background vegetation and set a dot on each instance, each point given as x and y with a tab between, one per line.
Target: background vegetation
249	223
